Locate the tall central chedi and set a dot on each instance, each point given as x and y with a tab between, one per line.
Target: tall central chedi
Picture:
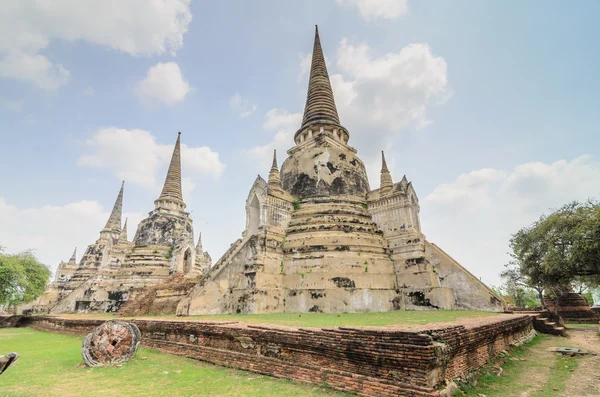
318	239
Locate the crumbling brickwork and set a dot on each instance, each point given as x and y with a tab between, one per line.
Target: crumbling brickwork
370	361
573	308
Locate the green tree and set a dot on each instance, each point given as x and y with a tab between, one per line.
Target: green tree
22	278
523	290
559	252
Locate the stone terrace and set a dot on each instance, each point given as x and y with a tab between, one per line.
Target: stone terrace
382	361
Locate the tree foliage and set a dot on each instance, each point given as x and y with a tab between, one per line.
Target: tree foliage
22	277
559	251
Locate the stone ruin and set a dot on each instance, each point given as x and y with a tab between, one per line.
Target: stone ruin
114	270
416	361
7	360
113	342
572	308
319	239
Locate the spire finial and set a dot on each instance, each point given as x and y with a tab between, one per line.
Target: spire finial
320	106
172	187
274	177
114	221
123	235
383	163
274	165
199	245
386	183
73	257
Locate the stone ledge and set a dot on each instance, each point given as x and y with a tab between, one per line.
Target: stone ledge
369	361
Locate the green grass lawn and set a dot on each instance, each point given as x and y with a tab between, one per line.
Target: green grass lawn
582	325
49	366
527	369
400	317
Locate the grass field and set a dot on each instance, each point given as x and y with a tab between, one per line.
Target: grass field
538	375
582	326
49	366
400	317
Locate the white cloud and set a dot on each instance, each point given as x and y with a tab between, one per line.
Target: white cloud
378	9
473	187
281	119
473	216
284	124
241	105
135	156
33	68
249	112
89	91
136	27
164	83
55	230
378	96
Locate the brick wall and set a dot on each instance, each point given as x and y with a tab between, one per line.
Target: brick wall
573	308
382	361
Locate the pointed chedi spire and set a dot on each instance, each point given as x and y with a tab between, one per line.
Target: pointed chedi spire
199	245
384	166
274	164
274	181
113	225
386	182
123	235
171	196
73	259
320	106
404	182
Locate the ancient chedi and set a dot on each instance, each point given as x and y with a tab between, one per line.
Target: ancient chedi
318	239
113	270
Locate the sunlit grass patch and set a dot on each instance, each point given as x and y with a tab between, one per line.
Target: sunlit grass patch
49	366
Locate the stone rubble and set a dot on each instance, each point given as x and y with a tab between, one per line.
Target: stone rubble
111	343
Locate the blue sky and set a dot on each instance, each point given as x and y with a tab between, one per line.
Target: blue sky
490	108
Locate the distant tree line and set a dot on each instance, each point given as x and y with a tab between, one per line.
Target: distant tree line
22	278
557	254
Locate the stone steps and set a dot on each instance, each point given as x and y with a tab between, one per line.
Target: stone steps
542	324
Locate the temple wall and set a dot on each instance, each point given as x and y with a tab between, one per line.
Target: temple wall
95	256
277	212
314	169
117	253
393	214
369	361
163	229
247	279
469	292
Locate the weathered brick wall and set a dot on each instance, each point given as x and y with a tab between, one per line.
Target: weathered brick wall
573	308
475	345
382	361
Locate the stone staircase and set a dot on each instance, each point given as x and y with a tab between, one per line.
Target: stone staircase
158	299
542	323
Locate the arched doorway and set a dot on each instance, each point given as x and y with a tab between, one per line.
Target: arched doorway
187	261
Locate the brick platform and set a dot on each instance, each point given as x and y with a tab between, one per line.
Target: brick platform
573	308
370	361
